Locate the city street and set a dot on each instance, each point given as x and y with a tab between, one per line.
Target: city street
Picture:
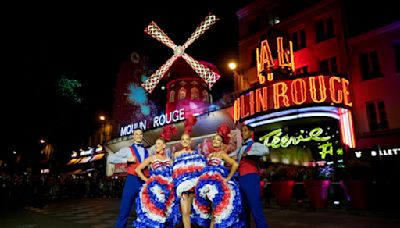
100	213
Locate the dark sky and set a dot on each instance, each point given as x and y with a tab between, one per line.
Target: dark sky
88	43
40	43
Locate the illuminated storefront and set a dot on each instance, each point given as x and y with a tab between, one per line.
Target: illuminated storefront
304	120
84	161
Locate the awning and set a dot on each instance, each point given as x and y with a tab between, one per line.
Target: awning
73	161
97	157
85	159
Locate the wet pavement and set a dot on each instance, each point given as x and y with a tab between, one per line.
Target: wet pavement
100	213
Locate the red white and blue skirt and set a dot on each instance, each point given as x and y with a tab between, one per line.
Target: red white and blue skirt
217	198
187	169
154	206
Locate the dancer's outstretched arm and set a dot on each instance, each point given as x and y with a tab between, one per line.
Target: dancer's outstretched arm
143	165
233	163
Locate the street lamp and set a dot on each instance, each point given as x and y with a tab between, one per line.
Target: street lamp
103	133
232	65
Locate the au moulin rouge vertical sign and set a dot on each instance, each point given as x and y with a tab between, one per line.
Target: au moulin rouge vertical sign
273	95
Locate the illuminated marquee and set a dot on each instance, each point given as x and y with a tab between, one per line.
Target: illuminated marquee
158	121
305	91
276	139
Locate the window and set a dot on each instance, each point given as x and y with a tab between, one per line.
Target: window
370	65
377	118
182	93
194	93
274	21
382	115
324	29
172	96
273	18
302	70
299	40
205	95
328	65
254	25
397	57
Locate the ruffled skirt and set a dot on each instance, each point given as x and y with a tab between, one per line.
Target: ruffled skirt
217	198
186	171
154	206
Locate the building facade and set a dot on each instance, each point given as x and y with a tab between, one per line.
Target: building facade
321	43
375	73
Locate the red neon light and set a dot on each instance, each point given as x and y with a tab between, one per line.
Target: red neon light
337	98
329	90
298	89
313	89
280	90
261	99
266	63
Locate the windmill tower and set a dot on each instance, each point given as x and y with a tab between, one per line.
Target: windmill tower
190	80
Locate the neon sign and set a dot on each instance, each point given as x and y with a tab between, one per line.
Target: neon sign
158	121
331	90
265	61
385	152
275	139
325	149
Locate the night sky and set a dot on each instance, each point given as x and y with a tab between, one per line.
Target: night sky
42	43
88	43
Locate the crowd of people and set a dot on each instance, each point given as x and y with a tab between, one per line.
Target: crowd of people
191	187
27	190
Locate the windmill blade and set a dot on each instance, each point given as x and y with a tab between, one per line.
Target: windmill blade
154	79
154	31
209	76
202	28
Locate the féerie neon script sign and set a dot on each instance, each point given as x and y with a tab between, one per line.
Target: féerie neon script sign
275	139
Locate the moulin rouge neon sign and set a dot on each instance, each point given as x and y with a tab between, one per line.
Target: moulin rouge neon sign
158	121
283	94
330	90
265	61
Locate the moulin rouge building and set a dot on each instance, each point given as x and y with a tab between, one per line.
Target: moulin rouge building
304	118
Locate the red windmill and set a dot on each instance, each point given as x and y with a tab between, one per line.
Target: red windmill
208	75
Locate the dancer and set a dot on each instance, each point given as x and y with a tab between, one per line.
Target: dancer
249	178
217	200
187	168
156	197
132	155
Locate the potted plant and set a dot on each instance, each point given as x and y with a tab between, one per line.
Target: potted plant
282	181
359	175
317	183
